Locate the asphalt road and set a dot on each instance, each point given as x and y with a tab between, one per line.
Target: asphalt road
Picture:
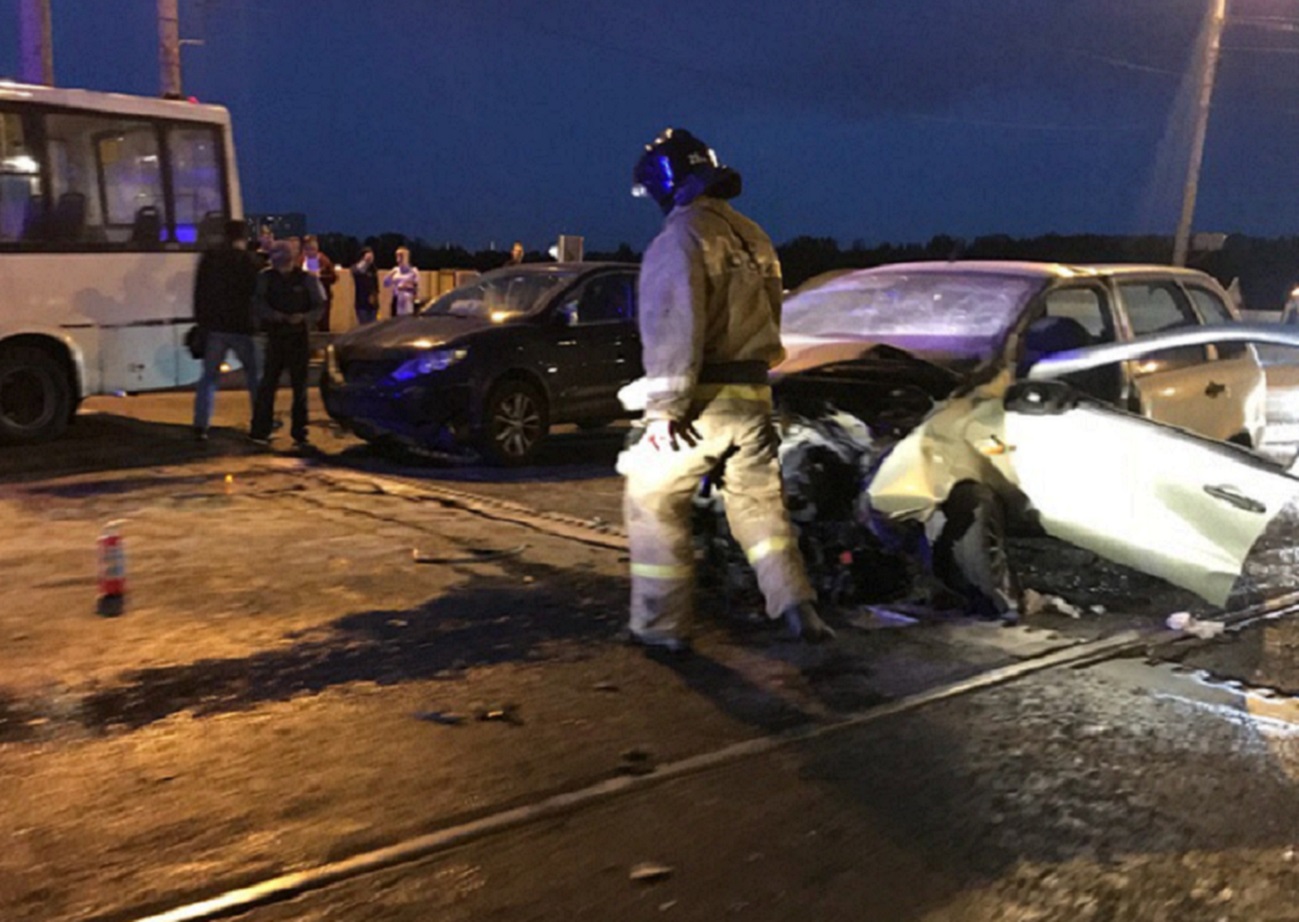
288	689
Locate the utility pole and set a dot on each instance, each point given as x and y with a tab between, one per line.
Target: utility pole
37	42
169	47
1208	71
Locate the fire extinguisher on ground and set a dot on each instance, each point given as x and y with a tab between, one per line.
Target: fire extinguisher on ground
112	571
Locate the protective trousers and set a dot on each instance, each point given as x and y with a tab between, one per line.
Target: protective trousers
734	426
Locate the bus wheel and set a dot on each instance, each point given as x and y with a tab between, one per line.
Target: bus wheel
35	396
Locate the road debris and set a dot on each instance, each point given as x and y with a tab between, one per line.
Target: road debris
877	617
446	718
475	555
1037	603
1185	621
506	713
650	871
637	761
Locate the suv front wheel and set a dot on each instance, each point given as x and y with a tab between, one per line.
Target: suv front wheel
515	422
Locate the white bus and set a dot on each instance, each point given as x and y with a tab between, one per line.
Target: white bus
105	202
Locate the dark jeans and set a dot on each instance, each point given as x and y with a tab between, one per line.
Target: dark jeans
287	347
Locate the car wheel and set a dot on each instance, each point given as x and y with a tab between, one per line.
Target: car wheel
35	396
970	551
515	422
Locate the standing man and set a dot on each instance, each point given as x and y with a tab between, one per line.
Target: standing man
710	295
322	267
365	282
223	311
516	254
287	302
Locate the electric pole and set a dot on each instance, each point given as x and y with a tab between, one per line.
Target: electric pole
169	47
1208	70
37	64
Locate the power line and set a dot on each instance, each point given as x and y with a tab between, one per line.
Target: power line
1020	126
1122	63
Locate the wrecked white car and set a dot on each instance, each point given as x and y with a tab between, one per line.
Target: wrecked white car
934	406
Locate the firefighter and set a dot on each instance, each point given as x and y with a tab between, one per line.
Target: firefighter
710	295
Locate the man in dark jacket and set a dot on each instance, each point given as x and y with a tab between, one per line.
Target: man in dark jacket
223	311
287	302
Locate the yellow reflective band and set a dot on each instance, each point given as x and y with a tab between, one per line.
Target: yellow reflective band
662	571
766	547
759	393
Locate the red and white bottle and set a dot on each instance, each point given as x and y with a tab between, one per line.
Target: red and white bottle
112	571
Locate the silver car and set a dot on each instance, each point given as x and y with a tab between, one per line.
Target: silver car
1109	406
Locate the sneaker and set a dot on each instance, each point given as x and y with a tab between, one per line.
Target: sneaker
260	440
802	622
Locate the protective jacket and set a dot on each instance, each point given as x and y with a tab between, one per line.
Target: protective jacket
709	305
710	329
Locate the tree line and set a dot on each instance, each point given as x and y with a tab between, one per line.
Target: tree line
1266	269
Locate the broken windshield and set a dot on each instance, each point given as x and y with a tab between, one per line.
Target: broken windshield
499	298
949	318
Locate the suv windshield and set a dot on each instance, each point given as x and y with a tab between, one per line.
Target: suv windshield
499	298
949	318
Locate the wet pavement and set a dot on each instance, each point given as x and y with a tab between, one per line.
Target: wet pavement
288	687
1062	797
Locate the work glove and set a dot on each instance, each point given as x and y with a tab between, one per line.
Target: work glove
670	434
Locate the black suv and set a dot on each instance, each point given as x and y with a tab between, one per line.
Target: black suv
494	364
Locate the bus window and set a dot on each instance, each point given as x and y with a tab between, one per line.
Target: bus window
105	180
196	184
20	189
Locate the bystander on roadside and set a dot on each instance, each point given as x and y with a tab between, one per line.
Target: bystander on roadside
403	279
287	301
223	310
365	283
322	267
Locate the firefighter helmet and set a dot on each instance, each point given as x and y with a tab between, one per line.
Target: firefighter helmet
675	168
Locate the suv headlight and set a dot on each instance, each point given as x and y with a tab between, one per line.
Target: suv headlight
429	362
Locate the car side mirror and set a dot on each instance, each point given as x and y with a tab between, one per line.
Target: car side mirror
566	315
1040	398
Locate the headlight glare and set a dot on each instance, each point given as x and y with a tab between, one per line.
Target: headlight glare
428	363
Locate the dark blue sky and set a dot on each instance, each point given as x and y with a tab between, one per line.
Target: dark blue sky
882	120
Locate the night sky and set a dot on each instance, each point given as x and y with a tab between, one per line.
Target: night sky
482	121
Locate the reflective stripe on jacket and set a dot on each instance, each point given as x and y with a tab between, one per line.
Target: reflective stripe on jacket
709	295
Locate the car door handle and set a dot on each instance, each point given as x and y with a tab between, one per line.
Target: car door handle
1229	494
1214	389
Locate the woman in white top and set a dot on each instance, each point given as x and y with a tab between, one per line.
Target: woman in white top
404	280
